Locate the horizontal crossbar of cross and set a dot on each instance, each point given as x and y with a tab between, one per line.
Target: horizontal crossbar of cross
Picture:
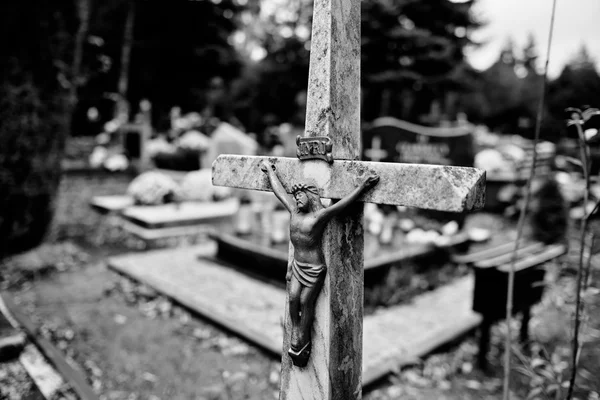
432	187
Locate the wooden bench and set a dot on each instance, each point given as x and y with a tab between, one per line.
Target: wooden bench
491	267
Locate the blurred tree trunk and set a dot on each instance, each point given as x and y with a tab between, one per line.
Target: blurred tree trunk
83	13
386	99
36	99
122	106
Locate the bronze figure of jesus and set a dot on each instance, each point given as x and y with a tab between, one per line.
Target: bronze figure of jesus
306	273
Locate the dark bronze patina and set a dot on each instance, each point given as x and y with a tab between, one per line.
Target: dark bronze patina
316	147
306	272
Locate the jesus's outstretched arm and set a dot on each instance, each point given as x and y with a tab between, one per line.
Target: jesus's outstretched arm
277	187
329	212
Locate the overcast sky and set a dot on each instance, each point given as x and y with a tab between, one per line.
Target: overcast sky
577	22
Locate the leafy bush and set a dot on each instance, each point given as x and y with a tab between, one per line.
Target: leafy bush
549	213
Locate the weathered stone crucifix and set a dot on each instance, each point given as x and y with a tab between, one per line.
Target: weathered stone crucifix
326	363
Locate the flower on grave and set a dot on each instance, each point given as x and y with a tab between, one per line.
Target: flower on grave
180	124
194	141
187	122
98	156
103	139
112	126
116	162
197	186
490	160
159	146
194	119
153	188
419	235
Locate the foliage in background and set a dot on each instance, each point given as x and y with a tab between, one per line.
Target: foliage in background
274	41
410	61
549	218
584	121
504	96
412	64
176	49
578	85
412	54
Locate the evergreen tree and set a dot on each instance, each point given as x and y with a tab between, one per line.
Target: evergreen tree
531	84
414	45
502	89
578	85
176	48
35	100
275	44
510	93
530	55
407	45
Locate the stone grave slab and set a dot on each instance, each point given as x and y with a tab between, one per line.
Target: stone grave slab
114	204
166	236
254	309
256	252
180	214
177	176
153	224
111	204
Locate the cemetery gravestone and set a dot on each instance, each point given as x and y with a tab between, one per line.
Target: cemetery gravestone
389	139
227	139
333	111
134	137
393	140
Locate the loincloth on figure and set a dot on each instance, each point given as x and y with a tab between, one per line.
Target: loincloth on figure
307	274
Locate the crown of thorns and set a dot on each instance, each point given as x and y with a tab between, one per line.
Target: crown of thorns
303	186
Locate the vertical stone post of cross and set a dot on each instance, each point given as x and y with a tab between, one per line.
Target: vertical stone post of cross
333	110
333	113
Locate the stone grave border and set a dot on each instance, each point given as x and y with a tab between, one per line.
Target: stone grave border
395	357
279	259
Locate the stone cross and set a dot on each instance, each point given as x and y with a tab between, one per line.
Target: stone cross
333	123
376	152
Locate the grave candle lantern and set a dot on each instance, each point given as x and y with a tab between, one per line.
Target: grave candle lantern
279	225
244	217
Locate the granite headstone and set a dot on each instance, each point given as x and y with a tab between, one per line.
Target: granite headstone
389	139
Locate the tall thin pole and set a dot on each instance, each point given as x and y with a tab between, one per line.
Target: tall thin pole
83	11
123	83
523	212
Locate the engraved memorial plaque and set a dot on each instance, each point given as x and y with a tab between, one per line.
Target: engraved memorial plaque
316	147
